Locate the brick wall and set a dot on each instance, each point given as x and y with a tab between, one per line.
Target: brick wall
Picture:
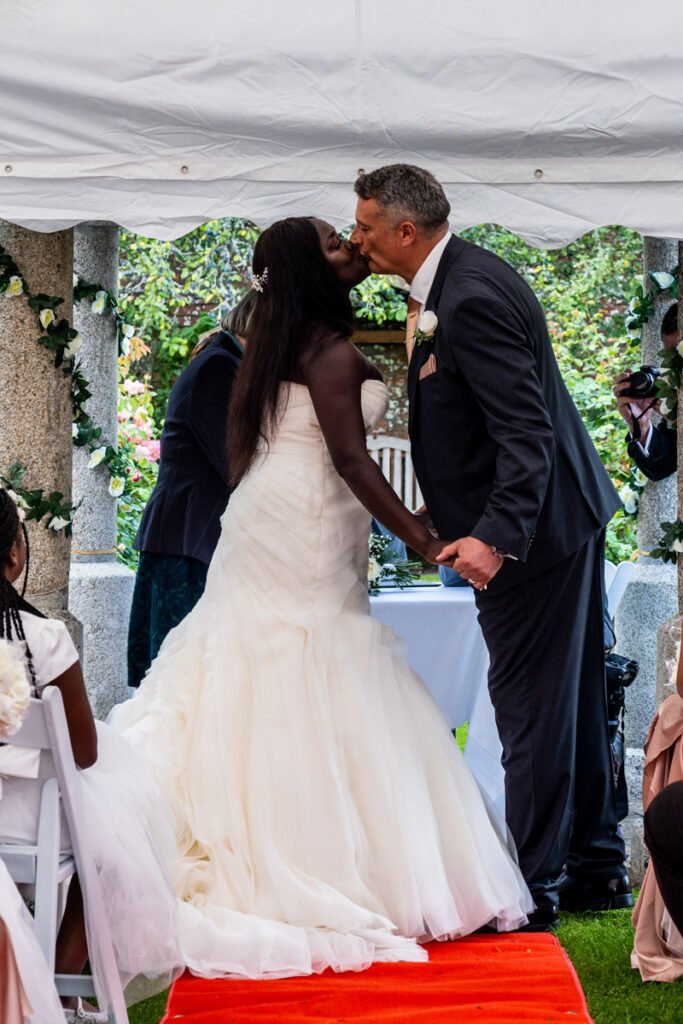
391	361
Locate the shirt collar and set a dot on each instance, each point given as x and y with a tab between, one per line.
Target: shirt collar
424	278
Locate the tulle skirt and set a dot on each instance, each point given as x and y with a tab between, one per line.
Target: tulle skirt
128	839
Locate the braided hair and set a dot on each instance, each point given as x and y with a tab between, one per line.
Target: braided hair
11	602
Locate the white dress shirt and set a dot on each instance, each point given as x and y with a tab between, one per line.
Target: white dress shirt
424	278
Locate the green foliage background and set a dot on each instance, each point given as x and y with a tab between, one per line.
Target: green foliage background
174	291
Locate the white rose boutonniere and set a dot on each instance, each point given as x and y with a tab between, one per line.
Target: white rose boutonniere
15	690
426	326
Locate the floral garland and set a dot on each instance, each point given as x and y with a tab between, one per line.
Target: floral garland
640	309
59	337
641	305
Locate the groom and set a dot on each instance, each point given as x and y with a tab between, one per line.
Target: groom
509	473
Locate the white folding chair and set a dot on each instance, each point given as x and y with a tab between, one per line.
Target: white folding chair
392	455
616	581
44	728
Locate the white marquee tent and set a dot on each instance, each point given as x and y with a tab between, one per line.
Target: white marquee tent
548	118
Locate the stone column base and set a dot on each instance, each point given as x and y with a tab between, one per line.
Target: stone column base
650	598
100	595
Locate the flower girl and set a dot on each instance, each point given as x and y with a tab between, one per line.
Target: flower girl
122	816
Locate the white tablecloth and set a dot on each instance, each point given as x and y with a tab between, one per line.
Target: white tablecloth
445	646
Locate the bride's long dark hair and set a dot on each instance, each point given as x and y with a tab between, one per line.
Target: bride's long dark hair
300	296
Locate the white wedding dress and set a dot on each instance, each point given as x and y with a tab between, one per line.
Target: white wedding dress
324	814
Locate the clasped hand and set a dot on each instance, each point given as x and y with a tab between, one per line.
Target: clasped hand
472	559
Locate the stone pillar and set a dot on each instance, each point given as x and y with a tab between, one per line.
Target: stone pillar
101	588
35	411
651	596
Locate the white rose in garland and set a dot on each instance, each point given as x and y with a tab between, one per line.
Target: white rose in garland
629	499
664	407
677	545
100	303
97	457
117	485
58	523
15	286
15	690
73	347
46	317
662	279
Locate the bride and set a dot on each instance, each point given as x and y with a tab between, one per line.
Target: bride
324	814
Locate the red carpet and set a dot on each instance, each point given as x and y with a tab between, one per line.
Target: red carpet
483	980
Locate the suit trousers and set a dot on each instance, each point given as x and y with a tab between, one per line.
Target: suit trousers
547	686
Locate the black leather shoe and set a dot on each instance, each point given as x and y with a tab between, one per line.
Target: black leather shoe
577	895
545	920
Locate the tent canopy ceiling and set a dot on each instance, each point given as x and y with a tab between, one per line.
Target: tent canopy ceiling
162	115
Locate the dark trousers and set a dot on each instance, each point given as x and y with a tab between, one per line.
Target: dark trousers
167	587
664	840
547	685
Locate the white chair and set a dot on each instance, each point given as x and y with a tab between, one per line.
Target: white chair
44	728
616	581
392	455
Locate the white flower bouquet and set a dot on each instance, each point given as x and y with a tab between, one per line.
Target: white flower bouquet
382	568
15	690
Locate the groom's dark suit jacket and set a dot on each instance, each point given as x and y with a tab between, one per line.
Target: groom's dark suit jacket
192	490
499	449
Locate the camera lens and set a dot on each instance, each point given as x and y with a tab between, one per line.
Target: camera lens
642	383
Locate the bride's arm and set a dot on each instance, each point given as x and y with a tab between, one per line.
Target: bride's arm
334	374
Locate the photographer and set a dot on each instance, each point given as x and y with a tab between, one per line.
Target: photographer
652	448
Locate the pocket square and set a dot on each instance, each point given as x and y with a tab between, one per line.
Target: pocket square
429	366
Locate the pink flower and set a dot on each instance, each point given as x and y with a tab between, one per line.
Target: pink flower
148	450
153	450
136	476
133	387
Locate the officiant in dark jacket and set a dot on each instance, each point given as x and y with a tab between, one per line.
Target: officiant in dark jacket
180	526
510	476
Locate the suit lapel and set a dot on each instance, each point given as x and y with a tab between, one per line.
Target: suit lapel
422	352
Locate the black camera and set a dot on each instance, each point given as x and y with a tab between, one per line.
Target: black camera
643	383
620	673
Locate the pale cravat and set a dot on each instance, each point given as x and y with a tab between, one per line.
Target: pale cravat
411	323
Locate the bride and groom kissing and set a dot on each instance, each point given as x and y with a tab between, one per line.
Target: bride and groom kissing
324	817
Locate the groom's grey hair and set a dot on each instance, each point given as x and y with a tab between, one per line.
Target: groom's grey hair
407	193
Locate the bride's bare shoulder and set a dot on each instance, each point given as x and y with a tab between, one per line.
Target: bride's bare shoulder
333	351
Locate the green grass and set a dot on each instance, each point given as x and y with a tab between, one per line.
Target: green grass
149	1012
599	946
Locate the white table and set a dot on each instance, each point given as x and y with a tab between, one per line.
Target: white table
445	646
